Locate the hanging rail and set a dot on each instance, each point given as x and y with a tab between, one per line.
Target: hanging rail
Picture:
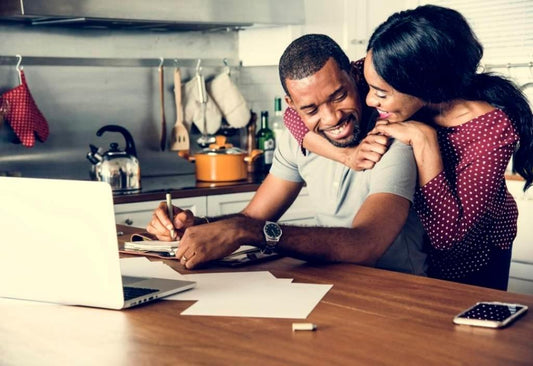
115	62
508	65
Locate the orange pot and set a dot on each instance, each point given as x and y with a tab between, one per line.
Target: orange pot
222	162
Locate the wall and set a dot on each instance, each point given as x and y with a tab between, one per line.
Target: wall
78	100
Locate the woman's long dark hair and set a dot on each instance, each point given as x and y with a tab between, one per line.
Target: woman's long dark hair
432	53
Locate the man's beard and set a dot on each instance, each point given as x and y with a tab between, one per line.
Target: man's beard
350	141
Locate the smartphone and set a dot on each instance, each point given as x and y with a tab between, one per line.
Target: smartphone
490	314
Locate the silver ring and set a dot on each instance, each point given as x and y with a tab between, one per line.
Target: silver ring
184	258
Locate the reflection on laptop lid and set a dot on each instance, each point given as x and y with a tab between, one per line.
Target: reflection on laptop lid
59	244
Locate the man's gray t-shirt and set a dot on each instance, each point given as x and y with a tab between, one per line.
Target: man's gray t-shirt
337	193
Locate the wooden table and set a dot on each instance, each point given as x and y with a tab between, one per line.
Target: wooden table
369	317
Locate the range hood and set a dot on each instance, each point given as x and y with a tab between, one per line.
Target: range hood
182	15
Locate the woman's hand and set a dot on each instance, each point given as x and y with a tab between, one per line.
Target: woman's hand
423	139
408	132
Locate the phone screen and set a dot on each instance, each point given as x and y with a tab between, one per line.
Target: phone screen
490	314
485	311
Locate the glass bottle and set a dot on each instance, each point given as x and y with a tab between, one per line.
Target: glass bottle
266	142
277	120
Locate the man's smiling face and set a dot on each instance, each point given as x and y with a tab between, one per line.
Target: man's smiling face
328	104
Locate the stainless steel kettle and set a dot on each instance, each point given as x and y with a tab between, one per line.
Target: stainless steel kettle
119	168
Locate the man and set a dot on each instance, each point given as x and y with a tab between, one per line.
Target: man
365	216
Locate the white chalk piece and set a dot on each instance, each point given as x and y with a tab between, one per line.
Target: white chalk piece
303	326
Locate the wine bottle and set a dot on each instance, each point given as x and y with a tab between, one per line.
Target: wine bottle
266	142
277	120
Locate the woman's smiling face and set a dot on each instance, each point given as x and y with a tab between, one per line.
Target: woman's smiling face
392	105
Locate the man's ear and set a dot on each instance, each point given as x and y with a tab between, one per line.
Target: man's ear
289	102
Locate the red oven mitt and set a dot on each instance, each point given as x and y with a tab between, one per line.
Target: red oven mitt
24	116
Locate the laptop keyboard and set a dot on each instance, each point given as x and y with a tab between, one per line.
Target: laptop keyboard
133	292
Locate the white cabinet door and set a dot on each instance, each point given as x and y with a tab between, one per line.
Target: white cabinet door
521	274
225	204
298	214
139	214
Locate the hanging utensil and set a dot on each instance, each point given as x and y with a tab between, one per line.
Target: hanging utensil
180	135
19	67
163	139
203	140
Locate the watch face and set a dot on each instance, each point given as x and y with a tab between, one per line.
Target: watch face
272	230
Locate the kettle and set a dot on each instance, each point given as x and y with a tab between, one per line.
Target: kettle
119	168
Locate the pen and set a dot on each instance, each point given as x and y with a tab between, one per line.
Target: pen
170	212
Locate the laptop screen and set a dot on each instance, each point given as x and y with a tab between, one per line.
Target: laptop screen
59	242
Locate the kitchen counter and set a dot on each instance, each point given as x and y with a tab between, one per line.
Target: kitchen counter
183	186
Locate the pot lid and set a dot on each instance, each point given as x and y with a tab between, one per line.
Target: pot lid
223	151
221	147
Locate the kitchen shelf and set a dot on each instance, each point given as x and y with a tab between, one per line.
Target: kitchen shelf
117	62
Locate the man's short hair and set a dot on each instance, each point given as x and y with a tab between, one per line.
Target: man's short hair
307	55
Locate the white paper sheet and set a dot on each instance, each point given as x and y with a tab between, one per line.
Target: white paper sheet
220	284
295	300
243	294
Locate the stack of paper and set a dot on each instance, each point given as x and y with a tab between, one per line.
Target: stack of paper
247	294
160	247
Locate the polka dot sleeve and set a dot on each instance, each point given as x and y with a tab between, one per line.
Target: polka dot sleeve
455	202
295	125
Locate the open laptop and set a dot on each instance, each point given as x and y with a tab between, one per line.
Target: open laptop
59	244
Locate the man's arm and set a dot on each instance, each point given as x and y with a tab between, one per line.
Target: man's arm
375	227
201	243
272	199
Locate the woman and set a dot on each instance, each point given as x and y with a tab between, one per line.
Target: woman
421	64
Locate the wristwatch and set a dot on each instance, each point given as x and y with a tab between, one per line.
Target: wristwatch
272	233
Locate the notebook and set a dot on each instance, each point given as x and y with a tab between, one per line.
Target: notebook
147	244
59	244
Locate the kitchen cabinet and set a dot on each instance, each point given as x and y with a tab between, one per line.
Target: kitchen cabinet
349	23
298	214
225	204
139	214
521	273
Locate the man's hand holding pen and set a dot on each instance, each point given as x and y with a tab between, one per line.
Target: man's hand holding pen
165	228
